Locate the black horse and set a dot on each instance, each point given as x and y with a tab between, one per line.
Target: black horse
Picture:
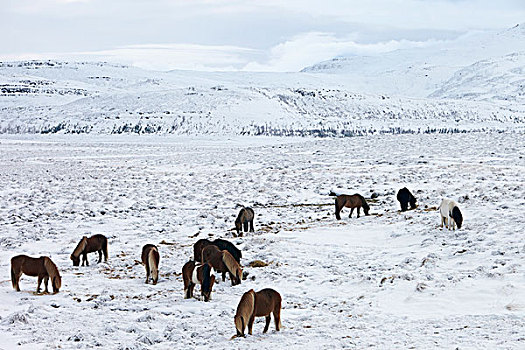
404	196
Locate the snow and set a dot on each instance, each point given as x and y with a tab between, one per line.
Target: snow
389	280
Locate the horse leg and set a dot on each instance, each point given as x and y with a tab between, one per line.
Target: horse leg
38	285
251	226
84	259
442	220
358	210
99	256
351	211
224	276
250	324
277	318
268	318
147	274
245	224
46	279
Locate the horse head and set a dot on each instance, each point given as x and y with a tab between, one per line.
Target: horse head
458	218
239	325
76	260
57	283
206	293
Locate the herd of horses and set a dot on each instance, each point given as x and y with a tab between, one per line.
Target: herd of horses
219	256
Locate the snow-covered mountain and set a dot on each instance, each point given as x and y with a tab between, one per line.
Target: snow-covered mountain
473	84
480	66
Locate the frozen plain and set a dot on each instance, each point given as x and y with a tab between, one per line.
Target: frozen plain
389	280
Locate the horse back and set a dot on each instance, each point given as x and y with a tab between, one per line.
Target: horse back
198	247
146	251
223	244
28	265
212	254
266	300
95	243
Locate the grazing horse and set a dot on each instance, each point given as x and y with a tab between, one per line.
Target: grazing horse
193	274
244	218
42	267
404	196
350	201
96	243
222	261
450	214
150	259
260	304
220	243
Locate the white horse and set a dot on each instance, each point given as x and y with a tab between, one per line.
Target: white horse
450	214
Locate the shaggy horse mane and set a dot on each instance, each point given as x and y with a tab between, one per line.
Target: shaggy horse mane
80	247
52	271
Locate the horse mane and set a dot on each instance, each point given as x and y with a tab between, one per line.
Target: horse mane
80	247
363	202
241	212
231	264
206	278
52	271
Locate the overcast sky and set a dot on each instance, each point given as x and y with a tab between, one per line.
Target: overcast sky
261	35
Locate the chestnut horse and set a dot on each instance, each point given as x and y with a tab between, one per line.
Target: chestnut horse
150	259
41	267
193	274
350	201
222	244
260	304
96	243
222	261
244	218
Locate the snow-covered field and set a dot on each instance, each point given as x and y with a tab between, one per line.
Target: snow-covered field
389	280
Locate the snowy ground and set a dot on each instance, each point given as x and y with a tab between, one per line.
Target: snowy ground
389	280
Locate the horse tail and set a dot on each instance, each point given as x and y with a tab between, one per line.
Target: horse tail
242	323
230	263
105	248
13	277
153	261
337	209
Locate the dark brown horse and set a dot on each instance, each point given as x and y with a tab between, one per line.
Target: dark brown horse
96	243
244	218
350	201
222	244
193	274
150	259
42	267
260	304
222	261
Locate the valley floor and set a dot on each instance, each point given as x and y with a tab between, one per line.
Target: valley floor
389	280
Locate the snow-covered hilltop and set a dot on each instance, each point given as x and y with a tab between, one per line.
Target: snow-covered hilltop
475	84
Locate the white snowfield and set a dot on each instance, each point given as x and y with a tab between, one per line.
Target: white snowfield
390	280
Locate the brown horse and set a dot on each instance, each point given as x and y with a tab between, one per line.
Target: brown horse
96	243
244	218
260	304
41	267
150	259
222	244
350	201
193	274
222	261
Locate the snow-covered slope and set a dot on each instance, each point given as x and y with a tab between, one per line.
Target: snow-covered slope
68	97
439	70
